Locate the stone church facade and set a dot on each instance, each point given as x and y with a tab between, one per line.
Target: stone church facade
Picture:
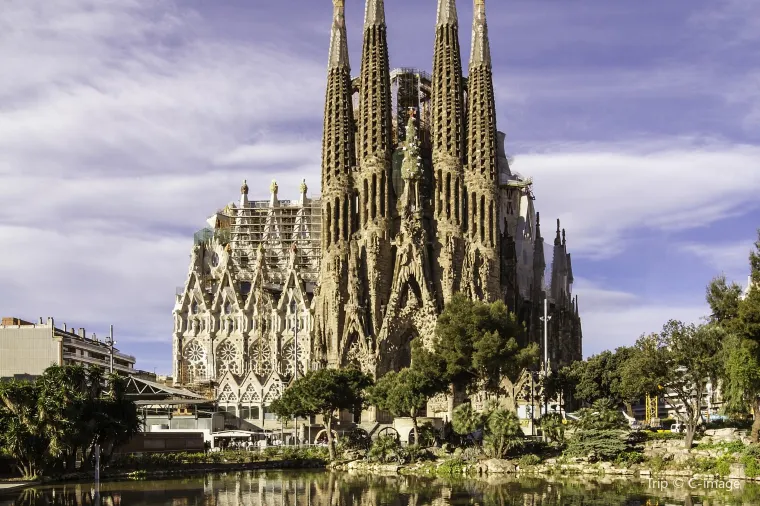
418	203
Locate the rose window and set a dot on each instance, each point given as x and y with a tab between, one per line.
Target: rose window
195	352
288	358
261	357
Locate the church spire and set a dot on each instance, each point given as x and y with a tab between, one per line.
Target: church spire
447	13
372	179
338	161
374	13
447	89
338	43
448	149
375	130
480	53
558	237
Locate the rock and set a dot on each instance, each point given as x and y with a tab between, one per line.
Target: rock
499	466
737	472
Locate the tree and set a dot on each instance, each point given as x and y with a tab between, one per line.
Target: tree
22	432
404	393
741	379
601	432
479	344
723	299
466	420
600	377
45	424
324	392
502	432
680	360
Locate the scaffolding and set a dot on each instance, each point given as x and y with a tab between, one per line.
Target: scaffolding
277	226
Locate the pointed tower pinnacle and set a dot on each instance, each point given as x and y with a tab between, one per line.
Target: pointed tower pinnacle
372	179
558	238
447	13
338	162
481	50
374	13
447	133
338	56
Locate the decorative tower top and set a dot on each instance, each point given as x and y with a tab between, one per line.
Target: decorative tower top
447	12
244	194
338	41
303	187
273	187
374	13
481	50
558	238
564	238
411	167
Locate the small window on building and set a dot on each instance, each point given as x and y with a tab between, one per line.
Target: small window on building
194	307
243	261
214	259
245	287
269	415
227	308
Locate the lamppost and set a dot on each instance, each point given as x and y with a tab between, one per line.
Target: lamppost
545	368
294	310
110	342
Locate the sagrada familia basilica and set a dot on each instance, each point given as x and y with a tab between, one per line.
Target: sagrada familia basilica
418	203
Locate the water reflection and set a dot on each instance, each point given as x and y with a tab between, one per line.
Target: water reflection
340	489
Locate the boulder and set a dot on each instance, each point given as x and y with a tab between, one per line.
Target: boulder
499	466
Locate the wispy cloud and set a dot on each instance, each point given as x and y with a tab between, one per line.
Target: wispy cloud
613	318
731	259
605	194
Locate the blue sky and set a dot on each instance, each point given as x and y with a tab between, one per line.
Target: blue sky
124	123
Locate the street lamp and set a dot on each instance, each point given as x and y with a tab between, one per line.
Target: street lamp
110	342
546	319
294	311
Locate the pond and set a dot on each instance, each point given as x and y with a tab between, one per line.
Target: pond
300	488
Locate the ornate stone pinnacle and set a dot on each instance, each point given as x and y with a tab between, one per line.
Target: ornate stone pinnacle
303	187
273	187
338	56
374	13
447	13
244	188
481	51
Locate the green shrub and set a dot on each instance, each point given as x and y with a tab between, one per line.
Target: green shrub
386	449
656	464
529	460
452	467
751	466
554	429
723	465
629	458
356	439
663	436
597	444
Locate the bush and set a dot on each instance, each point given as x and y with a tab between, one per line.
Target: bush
452	467
597	444
629	458
663	436
529	460
554	429
751	466
656	463
355	439
386	449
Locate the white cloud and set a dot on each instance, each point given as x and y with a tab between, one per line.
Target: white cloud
605	194
612	318
729	258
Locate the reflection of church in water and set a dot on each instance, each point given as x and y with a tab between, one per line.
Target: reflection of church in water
418	202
